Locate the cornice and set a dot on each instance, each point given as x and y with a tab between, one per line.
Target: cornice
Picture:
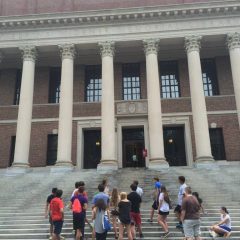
160	13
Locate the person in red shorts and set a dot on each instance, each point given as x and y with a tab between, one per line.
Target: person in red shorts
136	220
57	214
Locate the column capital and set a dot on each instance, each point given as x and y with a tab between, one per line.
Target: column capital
193	43
107	48
233	40
67	51
29	53
151	46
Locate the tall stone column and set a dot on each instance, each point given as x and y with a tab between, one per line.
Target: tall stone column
157	158
233	41
24	121
200	122
108	159
64	152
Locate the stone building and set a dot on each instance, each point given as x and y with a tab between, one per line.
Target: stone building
112	84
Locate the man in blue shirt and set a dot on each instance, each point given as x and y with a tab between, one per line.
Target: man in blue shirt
101	195
157	188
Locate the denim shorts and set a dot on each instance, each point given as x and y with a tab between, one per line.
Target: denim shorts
57	227
191	227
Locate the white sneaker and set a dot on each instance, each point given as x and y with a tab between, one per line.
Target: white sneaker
212	234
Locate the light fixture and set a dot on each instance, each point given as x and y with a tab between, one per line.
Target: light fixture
170	140
97	143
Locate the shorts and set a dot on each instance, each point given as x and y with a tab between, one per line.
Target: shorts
178	209
135	218
155	205
225	229
78	221
57	227
191	228
163	213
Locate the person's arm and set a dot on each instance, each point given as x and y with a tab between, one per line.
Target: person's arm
94	213
46	209
85	206
183	213
223	221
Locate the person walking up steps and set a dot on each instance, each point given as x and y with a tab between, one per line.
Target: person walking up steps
135	214
57	214
97	215
157	187
114	200
163	210
177	210
79	207
47	211
223	228
190	216
139	190
124	207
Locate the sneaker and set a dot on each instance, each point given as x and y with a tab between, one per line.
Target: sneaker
149	221
165	234
50	238
62	238
179	225
212	234
141	236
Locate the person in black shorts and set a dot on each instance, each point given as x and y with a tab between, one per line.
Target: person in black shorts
124	209
157	187
47	212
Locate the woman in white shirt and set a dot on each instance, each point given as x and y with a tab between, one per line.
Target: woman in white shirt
163	210
223	228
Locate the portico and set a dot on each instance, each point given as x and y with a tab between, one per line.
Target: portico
111	97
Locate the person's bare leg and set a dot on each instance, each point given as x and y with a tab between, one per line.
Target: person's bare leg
51	230
114	221
162	223
133	231
129	234
151	214
121	229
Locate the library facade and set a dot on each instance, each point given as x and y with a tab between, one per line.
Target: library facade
111	85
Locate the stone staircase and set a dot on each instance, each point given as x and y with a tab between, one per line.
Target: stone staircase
23	198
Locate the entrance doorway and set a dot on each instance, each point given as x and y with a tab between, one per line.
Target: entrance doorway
133	146
92	148
174	146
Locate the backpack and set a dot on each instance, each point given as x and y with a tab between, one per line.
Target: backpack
76	206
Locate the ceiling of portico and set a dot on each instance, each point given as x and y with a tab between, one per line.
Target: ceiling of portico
126	51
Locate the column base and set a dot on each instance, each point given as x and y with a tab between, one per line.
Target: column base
107	165
206	162
61	167
18	168
158	164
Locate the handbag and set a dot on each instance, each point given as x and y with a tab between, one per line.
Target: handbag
107	226
115	212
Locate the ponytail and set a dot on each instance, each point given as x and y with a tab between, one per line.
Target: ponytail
225	210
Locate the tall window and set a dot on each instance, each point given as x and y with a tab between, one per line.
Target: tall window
52	149
209	76
217	143
131	81
17	87
93	83
169	79
54	85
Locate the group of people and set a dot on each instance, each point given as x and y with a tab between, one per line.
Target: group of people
122	211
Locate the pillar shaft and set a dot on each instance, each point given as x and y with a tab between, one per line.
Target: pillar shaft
64	151
233	41
157	158
108	159
24	122
200	121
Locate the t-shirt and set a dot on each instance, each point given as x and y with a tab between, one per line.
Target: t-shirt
98	223
227	220
165	206
157	185
180	193
135	200
139	191
55	207
101	195
50	198
84	193
191	206
124	212
82	199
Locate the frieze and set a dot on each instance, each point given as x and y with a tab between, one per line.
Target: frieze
132	108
